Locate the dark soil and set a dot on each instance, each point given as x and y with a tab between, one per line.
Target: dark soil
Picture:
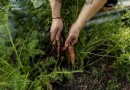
86	81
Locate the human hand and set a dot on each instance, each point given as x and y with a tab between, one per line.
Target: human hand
73	36
56	29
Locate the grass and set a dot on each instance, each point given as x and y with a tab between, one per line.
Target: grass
27	63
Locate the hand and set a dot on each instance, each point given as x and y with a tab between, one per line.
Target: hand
73	36
56	29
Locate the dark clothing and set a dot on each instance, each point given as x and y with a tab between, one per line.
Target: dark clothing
111	3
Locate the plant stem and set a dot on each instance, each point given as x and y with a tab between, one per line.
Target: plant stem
11	40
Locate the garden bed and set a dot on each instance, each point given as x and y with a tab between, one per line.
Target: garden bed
28	61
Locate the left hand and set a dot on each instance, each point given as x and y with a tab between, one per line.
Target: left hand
73	36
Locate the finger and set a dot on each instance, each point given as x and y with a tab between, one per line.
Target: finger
58	35
65	47
53	34
74	41
53	42
68	41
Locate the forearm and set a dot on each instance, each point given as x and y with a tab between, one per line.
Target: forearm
88	11
55	8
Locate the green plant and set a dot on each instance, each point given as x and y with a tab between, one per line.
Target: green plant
24	61
27	60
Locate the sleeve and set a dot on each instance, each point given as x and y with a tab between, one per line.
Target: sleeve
111	3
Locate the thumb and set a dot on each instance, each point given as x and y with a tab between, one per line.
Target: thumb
67	42
74	41
69	39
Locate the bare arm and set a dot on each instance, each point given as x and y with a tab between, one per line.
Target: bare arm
55	8
87	12
57	23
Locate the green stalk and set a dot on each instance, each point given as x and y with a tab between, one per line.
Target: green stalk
63	72
5	21
11	40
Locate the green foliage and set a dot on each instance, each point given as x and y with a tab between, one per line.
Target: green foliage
25	59
24	63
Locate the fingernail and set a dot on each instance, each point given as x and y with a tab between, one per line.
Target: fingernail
66	45
57	38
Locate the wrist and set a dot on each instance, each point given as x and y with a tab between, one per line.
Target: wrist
78	25
56	17
56	14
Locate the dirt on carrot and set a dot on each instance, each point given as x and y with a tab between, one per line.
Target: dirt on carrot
58	50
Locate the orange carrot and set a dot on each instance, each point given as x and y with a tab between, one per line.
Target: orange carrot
71	54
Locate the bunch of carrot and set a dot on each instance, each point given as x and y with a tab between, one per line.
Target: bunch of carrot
70	51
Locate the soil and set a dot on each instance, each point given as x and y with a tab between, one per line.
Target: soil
85	81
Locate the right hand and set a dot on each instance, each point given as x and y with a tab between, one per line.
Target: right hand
56	29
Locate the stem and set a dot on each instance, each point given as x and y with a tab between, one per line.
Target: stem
64	72
98	59
11	40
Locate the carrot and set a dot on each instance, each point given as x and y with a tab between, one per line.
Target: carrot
71	54
58	51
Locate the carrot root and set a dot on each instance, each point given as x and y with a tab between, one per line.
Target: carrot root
71	54
58	51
